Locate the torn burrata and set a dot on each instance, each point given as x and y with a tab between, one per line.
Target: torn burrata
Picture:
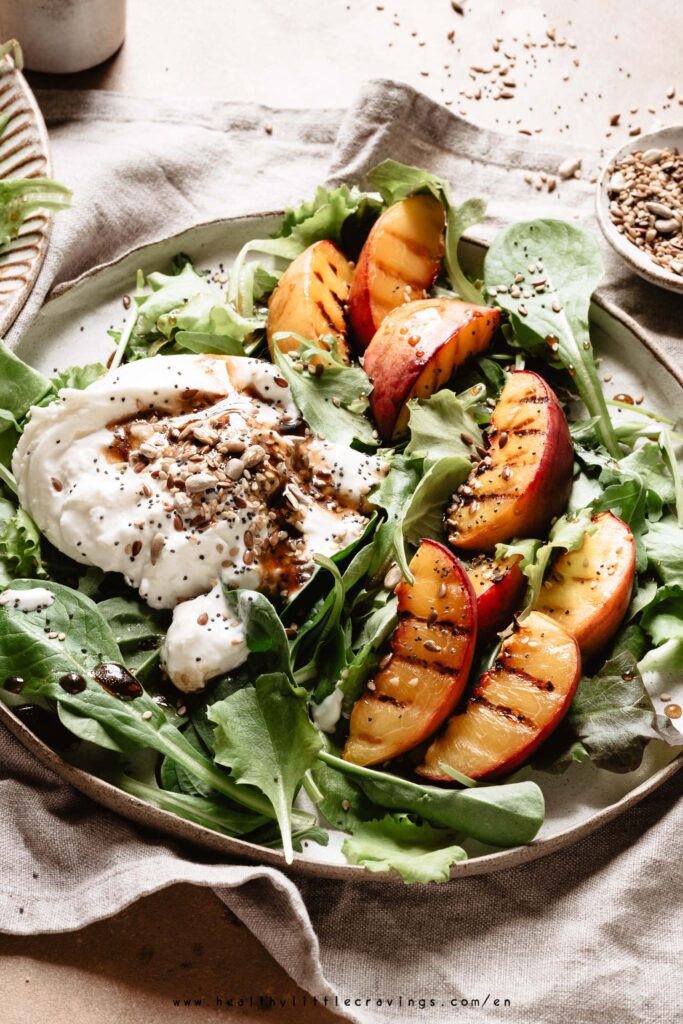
187	473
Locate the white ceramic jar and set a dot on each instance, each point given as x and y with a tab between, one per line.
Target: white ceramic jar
64	36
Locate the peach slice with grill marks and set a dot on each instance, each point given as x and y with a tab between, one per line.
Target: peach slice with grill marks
422	679
514	707
588	591
416	350
525	477
399	262
499	586
309	298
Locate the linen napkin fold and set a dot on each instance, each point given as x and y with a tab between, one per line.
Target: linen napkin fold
591	930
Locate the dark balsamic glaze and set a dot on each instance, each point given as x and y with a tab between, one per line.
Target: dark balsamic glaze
117	680
14	684
72	682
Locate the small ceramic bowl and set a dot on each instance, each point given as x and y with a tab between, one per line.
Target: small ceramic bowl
637	259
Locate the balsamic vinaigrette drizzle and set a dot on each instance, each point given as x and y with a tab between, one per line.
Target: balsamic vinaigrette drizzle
72	682
117	680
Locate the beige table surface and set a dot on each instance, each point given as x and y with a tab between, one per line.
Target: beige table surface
574	64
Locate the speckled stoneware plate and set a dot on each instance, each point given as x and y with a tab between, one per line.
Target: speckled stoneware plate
637	260
71	328
24	153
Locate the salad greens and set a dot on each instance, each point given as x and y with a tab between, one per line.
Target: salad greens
252	753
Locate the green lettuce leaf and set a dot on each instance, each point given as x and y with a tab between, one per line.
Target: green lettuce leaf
418	853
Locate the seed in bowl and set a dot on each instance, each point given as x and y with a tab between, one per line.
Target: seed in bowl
646	204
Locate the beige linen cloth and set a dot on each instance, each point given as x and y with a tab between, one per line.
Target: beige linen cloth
591	934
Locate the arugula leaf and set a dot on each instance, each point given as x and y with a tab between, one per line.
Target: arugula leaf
571	268
424	515
614	718
392	494
395	181
173	776
662	618
645	466
415	502
566	535
437	426
333	400
20	385
506	815
418	853
664	546
263	733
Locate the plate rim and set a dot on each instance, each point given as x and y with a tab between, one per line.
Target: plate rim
21	296
163	822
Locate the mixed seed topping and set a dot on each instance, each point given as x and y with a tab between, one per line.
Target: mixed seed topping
646	204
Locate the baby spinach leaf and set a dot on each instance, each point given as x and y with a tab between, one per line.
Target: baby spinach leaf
210	813
30	648
395	181
20	385
567	260
266	637
263	733
138	630
418	853
507	815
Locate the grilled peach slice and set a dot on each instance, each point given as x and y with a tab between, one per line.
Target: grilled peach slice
525	478
589	590
423	678
498	585
309	298
514	707
399	262
415	351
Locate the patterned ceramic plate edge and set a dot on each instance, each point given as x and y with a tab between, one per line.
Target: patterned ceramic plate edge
24	153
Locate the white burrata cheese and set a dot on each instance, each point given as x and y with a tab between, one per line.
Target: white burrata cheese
204	640
182	471
32	600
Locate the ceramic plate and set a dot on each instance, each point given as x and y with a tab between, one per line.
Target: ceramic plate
24	153
71	328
